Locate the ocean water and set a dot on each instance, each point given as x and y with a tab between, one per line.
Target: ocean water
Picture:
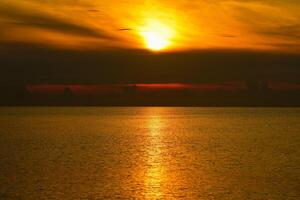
150	153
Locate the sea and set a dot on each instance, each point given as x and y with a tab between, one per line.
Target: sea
93	153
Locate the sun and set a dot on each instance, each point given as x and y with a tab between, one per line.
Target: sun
156	41
157	36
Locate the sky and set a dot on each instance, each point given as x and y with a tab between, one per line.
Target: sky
148	40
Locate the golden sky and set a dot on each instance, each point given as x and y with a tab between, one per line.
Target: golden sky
175	25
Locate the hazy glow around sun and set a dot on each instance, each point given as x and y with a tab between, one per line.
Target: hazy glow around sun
157	36
156	25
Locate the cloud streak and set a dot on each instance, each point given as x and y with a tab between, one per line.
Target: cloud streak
203	24
19	17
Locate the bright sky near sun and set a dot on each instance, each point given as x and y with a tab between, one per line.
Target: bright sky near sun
168	25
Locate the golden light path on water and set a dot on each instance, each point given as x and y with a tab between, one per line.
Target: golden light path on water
149	153
162	176
154	163
168	163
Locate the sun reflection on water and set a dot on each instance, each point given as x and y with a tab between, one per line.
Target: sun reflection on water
154	164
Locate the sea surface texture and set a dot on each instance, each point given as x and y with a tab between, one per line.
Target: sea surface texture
149	153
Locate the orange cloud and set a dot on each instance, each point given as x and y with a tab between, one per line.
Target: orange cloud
221	24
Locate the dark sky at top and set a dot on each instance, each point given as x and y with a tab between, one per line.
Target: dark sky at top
24	64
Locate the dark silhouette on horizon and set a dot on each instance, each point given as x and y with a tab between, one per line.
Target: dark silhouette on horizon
256	93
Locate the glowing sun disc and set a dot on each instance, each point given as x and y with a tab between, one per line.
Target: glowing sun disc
157	36
155	41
